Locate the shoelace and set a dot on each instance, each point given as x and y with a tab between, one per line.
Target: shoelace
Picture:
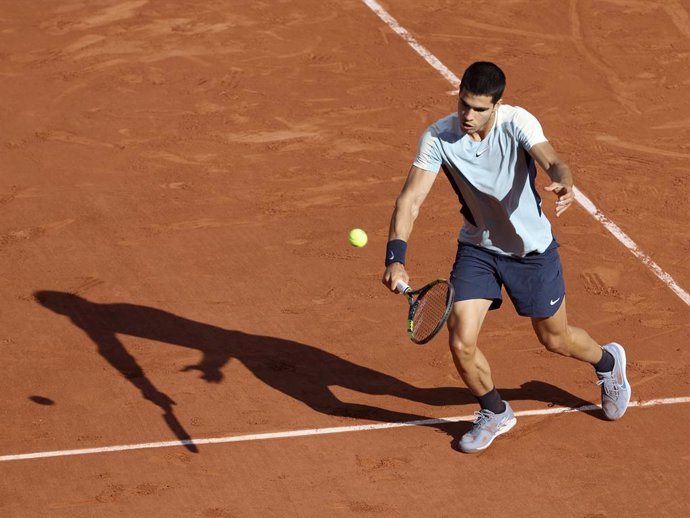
611	388
482	416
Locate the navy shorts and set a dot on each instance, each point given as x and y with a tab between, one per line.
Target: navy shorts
534	283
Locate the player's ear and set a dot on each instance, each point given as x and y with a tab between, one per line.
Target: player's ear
498	103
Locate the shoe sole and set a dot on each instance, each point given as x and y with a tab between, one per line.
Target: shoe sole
508	425
621	353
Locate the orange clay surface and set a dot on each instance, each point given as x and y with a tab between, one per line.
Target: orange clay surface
178	179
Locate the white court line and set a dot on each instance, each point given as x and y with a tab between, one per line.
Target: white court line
418	47
579	196
319	431
631	245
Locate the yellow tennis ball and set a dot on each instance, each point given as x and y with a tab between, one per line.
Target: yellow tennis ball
358	237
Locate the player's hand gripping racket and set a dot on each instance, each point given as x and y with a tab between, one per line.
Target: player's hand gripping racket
429	308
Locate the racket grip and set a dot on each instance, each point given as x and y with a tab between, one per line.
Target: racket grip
402	287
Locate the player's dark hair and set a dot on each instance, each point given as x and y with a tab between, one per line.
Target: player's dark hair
484	78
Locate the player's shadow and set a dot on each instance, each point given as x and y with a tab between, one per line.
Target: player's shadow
300	371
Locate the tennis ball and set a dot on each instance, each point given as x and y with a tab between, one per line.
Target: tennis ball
358	237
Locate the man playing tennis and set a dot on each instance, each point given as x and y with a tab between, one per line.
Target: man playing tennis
488	151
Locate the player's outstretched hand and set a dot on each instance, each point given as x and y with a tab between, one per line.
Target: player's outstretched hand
565	196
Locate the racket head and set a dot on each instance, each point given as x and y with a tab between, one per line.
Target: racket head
430	307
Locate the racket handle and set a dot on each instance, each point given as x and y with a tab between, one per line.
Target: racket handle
402	287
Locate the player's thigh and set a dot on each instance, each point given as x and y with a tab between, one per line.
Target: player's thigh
465	322
553	327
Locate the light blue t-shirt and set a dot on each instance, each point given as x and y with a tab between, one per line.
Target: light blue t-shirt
494	180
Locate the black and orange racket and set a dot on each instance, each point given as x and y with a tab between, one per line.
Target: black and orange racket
430	307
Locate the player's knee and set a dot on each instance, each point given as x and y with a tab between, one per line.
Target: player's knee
462	348
555	343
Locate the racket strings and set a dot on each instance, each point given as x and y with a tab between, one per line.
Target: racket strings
431	311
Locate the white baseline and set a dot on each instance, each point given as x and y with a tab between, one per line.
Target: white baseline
579	196
319	431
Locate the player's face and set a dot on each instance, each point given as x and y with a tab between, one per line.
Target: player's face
476	112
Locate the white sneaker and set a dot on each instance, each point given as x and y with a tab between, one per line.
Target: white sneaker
615	389
487	426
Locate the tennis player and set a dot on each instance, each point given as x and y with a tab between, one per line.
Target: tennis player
488	151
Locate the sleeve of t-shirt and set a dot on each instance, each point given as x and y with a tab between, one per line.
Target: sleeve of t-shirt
528	131
428	153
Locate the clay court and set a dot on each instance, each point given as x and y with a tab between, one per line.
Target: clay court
185	329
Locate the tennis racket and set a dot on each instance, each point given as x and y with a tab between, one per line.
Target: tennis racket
429	308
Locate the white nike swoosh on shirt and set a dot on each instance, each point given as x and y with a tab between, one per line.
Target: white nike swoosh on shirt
552	302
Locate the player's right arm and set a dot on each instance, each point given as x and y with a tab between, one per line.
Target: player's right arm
407	206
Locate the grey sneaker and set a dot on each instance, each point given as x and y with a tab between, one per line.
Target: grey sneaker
615	389
487	426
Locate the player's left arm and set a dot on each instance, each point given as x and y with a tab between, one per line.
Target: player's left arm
558	171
